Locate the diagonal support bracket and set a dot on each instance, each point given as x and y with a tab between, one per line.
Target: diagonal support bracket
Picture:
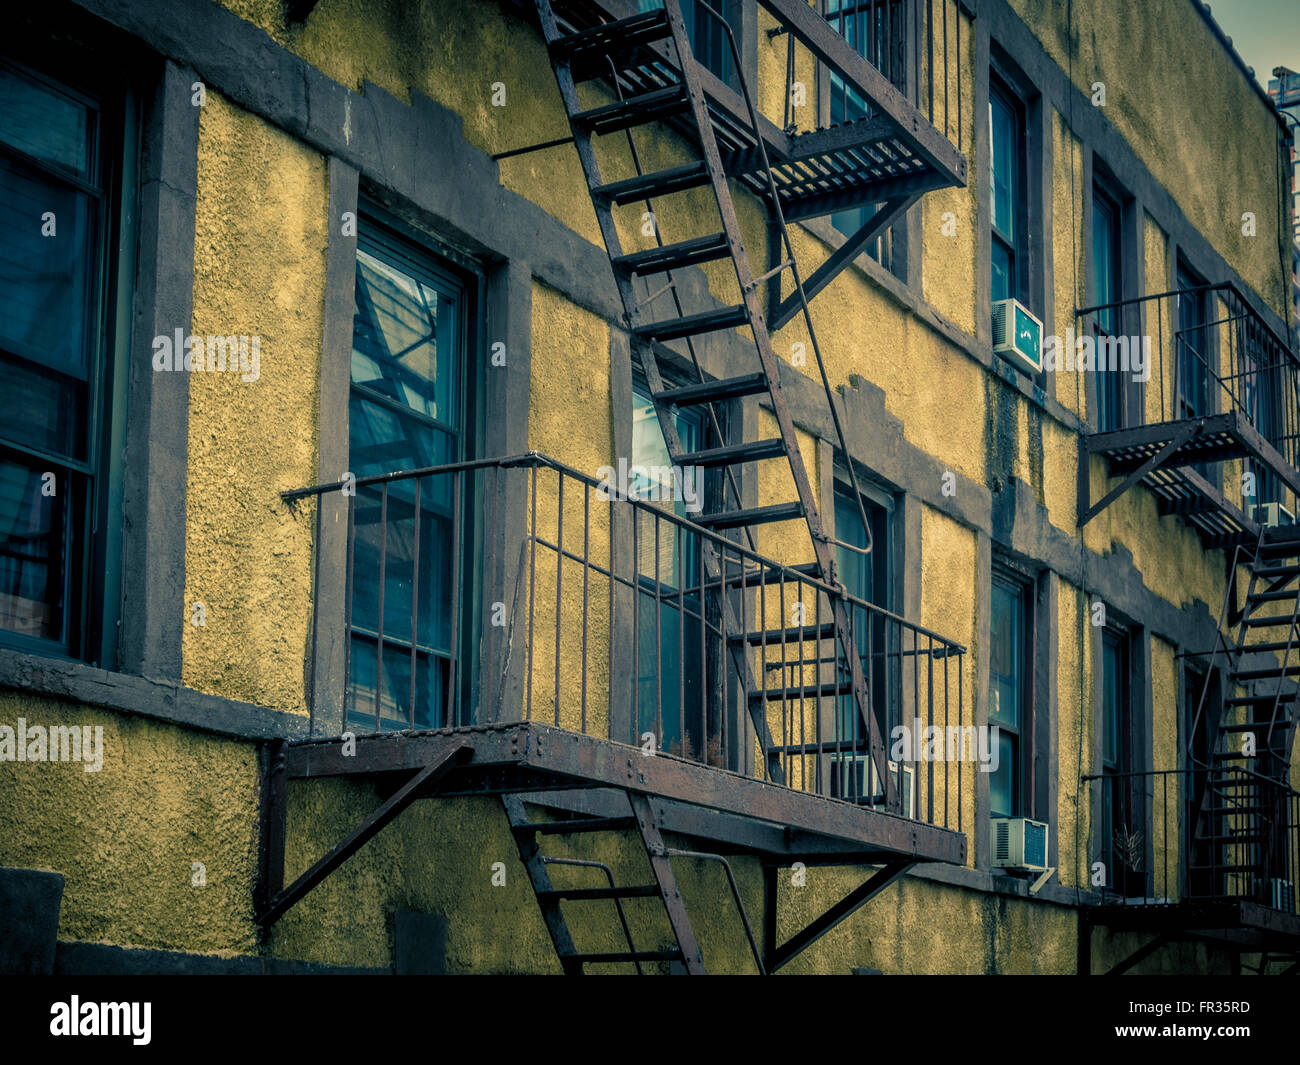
835	264
850	904
1143	952
416	787
1181	435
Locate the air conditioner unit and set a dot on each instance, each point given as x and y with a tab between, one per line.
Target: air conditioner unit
1018	335
1019	843
1272	515
854	777
1282	894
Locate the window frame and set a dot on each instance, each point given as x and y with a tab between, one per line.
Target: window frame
1002	90
1024	585
428	260
90	489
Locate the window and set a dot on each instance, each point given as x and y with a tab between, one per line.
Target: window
54	362
878	32
1008	188
407	410
670	638
1192	361
1107	286
707	36
1009	694
1123	818
865	577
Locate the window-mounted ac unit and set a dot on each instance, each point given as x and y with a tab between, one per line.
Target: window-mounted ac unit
1019	843
854	777
1283	895
1018	335
1272	515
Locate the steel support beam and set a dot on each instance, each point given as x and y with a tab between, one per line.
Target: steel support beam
1180	436
850	904
1143	952
839	259
458	753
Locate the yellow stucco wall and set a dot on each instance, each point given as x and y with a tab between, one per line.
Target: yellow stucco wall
169	796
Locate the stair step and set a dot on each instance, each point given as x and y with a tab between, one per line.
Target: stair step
611	38
1273	597
1209	868
734	519
1240	837
1254	726
753	579
656	183
674	256
750	384
634	111
807	691
1291	670
824	631
735	453
694	324
633	955
1289	570
1259	700
1269	646
1233	809
637	891
584	824
1274	621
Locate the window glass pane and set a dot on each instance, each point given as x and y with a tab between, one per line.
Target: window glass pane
32	546
1105	261
1002	271
44	281
42	410
1003	800
44	124
404	410
1006	638
400	327
1004	158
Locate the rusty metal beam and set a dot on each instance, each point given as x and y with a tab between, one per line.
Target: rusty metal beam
458	751
842	257
537	751
850	904
1179	437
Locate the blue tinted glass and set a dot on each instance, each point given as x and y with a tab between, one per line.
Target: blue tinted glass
405	340
32	544
1001	272
44	280
1003	163
44	124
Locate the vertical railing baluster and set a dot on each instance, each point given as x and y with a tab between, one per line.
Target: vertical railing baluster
586	599
415	604
559	586
350	691
532	589
383	579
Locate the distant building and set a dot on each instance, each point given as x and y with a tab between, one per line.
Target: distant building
1284	88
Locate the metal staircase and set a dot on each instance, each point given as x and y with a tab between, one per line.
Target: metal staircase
609	51
1242	818
662	886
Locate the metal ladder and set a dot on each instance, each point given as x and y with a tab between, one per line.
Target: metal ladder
549	898
595	53
1232	813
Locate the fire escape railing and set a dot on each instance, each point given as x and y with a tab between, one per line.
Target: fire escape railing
520	589
1207	351
1159	844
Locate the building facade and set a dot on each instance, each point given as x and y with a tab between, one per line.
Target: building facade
499	486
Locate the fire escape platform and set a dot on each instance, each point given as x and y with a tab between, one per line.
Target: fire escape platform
1239	921
1162	456
893	155
741	814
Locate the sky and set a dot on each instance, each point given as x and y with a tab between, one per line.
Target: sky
1265	33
